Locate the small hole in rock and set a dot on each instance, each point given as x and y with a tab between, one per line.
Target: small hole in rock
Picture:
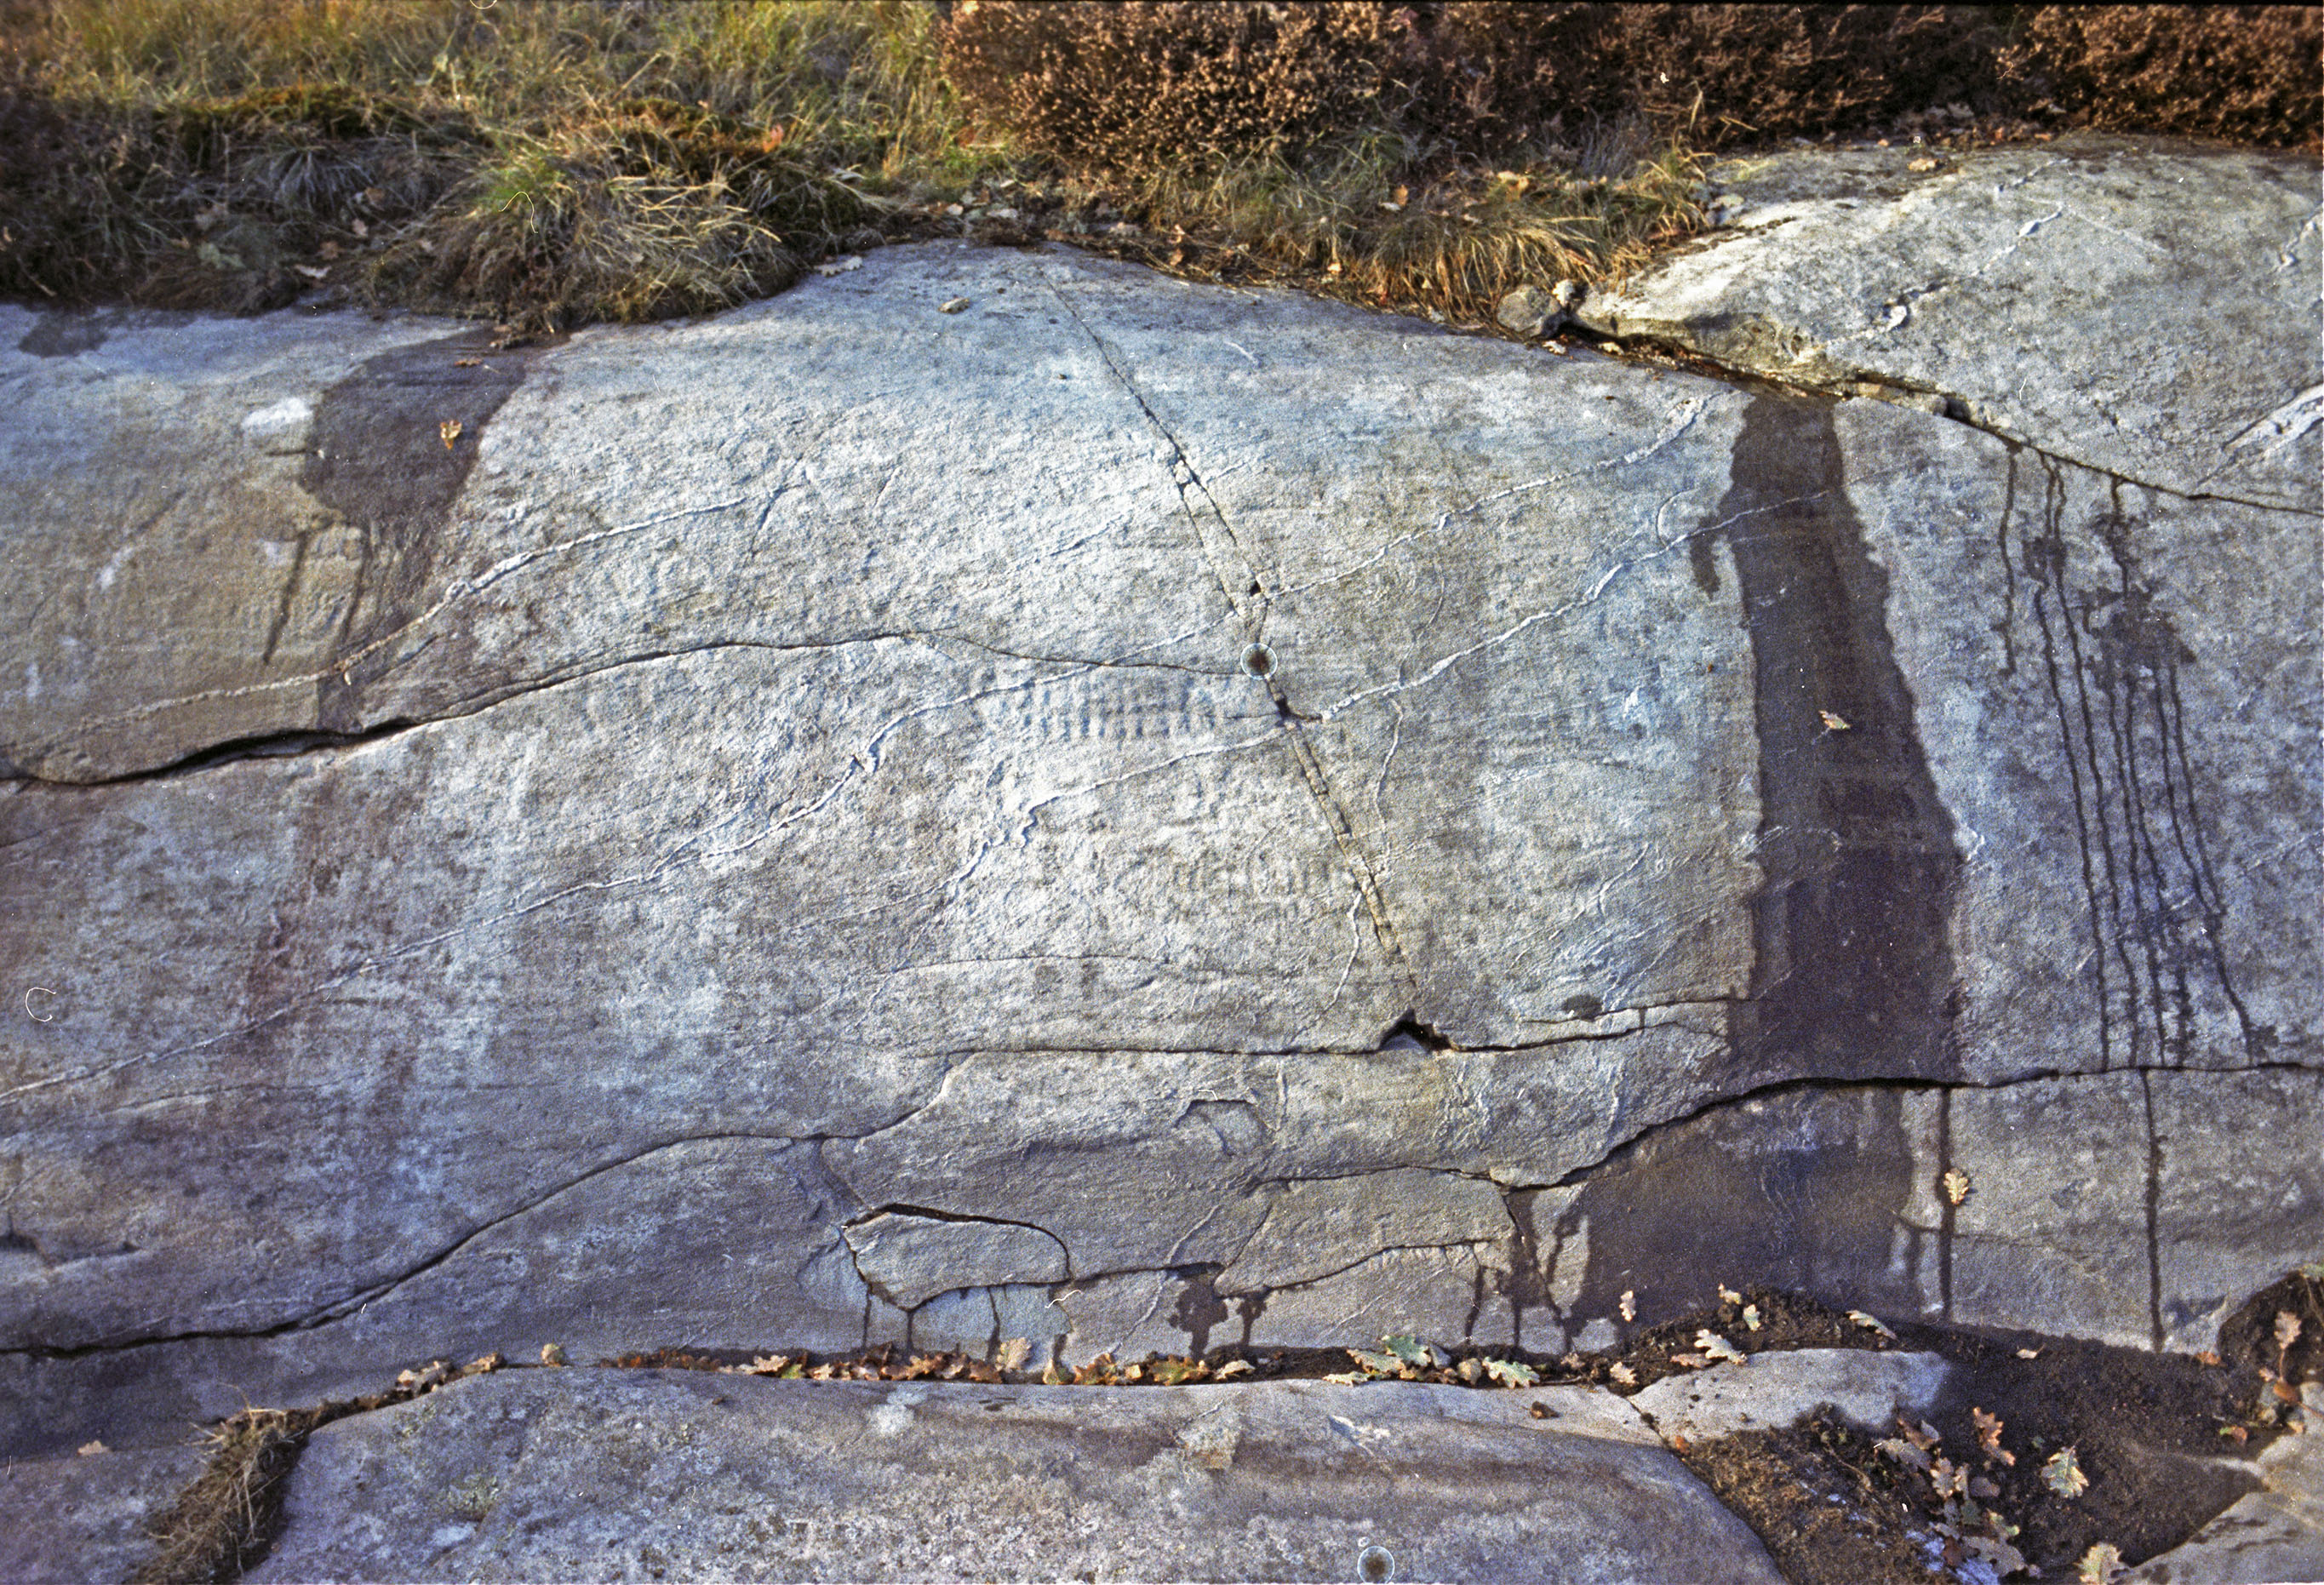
1258	660
1376	1562
1409	1034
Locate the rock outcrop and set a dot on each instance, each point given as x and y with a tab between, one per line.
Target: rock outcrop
1138	817
538	1476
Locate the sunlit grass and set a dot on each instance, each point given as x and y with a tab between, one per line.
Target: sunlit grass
550	162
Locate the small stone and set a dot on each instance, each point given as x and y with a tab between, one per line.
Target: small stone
1530	311
953	306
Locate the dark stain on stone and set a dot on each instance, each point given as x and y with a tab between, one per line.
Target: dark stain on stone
1248	1308
1804	1190
1526	1284
1852	975
1853	972
1199	1307
2110	661
63	333
1705	565
382	461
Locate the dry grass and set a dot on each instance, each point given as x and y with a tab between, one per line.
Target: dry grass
1361	218
1266	142
223	1522
549	163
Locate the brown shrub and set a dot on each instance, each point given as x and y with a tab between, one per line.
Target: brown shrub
1122	89
1497	72
2250	73
1129	89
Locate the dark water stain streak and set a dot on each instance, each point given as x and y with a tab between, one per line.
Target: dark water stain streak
1853	977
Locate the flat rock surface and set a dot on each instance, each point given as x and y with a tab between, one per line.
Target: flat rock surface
734	848
78	1518
2139	306
1774	1391
606	1475
2275	1534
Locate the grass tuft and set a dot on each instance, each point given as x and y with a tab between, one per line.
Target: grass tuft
544	163
223	1525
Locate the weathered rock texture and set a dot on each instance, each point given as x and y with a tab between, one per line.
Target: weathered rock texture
609	1476
82	1518
1133	816
1776	1391
2145	308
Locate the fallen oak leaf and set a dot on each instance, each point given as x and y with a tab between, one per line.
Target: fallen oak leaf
1870	1323
1901	1451
2101	1565
2005	1559
1623	1374
1410	1350
1956	1184
1988	1434
1511	1373
450	430
2063	1475
1718	1348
